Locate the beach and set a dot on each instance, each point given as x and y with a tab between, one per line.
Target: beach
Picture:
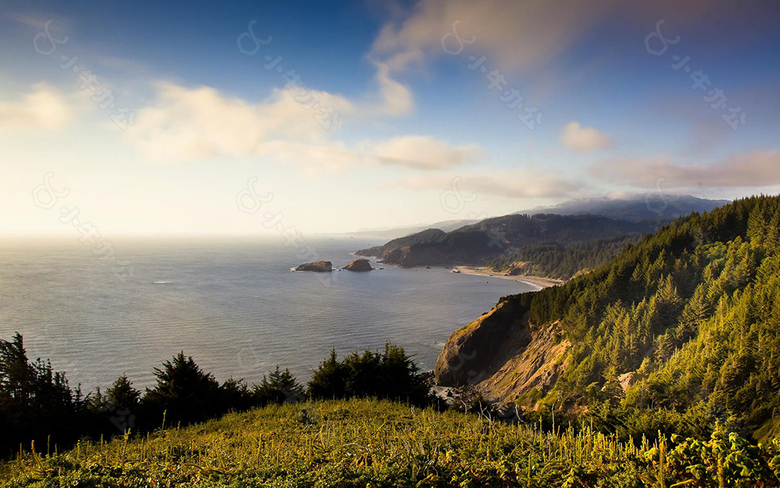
531	280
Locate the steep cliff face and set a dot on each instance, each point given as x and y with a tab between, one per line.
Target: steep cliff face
478	350
502	356
531	372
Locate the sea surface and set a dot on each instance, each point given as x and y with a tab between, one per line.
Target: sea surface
232	304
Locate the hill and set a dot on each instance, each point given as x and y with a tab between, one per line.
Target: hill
491	238
634	207
362	443
428	235
561	262
677	332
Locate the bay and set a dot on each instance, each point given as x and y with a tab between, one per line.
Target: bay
231	303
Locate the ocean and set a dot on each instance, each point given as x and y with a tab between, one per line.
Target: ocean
231	303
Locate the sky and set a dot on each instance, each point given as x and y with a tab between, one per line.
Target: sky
260	117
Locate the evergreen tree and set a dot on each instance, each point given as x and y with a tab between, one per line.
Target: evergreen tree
184	391
278	387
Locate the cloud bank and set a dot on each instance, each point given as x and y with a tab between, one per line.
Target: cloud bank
755	169
517	184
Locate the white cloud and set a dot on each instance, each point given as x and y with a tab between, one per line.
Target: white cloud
42	107
200	123
518	184
185	123
197	123
416	152
583	139
750	170
423	152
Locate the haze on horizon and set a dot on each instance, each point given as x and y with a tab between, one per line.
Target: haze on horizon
161	118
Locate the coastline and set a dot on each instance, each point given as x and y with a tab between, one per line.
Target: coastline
537	281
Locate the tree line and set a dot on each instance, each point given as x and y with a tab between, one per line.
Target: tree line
563	261
37	404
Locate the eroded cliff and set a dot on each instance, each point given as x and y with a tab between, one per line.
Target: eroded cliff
503	356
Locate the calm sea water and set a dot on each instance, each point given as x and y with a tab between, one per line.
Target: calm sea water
232	304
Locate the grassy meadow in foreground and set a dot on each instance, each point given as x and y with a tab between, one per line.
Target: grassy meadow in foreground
365	442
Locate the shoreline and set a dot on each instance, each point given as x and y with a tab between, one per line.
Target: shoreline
537	281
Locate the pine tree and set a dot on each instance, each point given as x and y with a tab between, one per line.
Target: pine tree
278	387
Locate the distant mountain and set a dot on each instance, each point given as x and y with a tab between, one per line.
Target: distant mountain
632	207
491	238
635	207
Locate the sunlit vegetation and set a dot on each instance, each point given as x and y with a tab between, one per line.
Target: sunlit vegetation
563	261
691	313
364	442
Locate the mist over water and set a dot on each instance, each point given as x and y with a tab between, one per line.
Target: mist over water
232	304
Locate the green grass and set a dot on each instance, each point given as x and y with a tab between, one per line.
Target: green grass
378	443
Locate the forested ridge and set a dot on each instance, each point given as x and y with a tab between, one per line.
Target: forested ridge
563	261
691	314
495	237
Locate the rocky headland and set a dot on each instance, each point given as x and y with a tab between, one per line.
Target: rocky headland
316	266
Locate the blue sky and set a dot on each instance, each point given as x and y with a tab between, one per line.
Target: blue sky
412	119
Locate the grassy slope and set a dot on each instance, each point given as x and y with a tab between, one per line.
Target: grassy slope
378	443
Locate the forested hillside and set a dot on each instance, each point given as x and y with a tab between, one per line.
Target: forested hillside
635	207
561	262
679	331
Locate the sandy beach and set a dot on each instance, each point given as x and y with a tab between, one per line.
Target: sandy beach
531	280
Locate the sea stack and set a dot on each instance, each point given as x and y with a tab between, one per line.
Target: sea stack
359	264
317	266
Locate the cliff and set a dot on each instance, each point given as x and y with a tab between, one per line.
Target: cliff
503	356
